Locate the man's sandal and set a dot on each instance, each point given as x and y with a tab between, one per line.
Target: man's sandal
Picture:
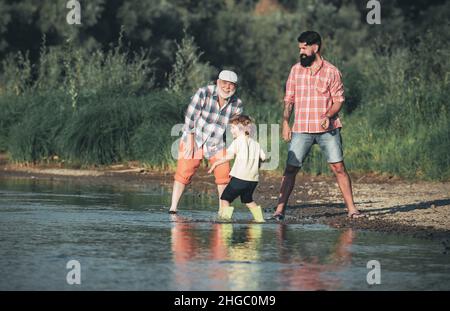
277	217
355	215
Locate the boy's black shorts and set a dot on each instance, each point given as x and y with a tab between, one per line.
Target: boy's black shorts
238	187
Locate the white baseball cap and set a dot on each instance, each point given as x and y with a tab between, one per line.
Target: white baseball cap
228	75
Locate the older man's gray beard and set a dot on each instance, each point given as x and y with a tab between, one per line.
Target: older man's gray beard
223	94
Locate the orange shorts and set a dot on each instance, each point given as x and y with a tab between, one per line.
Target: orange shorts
186	168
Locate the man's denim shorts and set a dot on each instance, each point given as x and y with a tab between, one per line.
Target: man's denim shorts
330	144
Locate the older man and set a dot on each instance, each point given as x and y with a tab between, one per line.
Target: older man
314	90
203	133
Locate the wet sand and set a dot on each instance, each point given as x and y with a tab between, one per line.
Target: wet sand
389	204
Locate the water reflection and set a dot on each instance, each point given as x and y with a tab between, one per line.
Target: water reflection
124	240
313	272
229	257
226	256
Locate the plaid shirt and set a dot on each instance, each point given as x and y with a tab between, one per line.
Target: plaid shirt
208	121
313	91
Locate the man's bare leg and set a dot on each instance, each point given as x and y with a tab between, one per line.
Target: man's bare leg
287	184
345	184
178	189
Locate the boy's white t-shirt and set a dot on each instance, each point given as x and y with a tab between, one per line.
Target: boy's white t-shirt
247	154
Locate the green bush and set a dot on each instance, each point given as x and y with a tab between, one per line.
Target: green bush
106	128
110	128
152	140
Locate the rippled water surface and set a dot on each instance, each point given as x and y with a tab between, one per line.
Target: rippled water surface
125	240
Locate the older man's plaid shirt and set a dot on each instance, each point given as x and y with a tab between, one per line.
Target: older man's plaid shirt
314	90
208	121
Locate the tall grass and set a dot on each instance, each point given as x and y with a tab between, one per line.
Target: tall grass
34	135
110	128
12	111
105	128
85	107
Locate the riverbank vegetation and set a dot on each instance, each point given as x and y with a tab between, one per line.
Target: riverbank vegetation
112	89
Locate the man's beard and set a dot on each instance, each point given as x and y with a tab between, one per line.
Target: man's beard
307	61
223	94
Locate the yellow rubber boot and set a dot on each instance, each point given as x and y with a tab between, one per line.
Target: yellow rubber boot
257	213
226	212
219	214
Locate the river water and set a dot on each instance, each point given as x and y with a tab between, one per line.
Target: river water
123	239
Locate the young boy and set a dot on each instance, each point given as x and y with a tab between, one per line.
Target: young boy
244	173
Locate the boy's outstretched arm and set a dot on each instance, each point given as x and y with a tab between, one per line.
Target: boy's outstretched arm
231	151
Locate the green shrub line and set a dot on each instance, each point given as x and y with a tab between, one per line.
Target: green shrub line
110	127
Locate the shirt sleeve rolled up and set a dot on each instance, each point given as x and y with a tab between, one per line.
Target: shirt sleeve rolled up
337	87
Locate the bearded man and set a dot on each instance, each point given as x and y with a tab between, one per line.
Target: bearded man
314	90
205	124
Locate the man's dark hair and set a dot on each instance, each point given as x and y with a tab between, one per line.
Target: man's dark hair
310	37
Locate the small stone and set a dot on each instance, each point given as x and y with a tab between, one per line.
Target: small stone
371	218
273	197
